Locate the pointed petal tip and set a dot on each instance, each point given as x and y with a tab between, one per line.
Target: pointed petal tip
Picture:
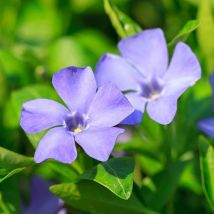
76	86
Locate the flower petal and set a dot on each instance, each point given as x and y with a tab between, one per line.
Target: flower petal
138	102
115	69
99	143
163	109
207	126
184	69
76	86
109	107
41	199
147	51
58	144
40	114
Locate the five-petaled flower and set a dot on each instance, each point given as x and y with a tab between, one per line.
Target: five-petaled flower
144	74
207	124
88	120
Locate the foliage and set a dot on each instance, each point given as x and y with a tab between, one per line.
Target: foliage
163	169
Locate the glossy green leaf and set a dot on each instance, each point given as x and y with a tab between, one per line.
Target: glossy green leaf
28	93
123	24
93	198
207	169
163	185
187	29
116	174
206	32
12	163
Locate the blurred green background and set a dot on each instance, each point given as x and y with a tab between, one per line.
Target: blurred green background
38	37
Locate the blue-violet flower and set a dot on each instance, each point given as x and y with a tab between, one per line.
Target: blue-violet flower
88	120
144	74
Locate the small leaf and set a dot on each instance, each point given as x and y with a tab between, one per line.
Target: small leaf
123	24
206	32
115	174
93	198
183	35
8	174
207	169
12	163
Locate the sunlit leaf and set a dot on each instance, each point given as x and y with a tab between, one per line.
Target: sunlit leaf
93	198
207	169
206	32
123	24
115	174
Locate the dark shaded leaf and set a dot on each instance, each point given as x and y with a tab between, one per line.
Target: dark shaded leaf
91	197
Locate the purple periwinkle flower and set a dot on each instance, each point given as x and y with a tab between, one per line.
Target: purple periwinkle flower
42	201
146	77
88	120
206	125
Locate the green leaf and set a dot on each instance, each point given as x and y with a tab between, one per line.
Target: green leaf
187	29
9	174
206	32
93	198
116	175
123	24
207	169
11	160
29	93
12	163
163	185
